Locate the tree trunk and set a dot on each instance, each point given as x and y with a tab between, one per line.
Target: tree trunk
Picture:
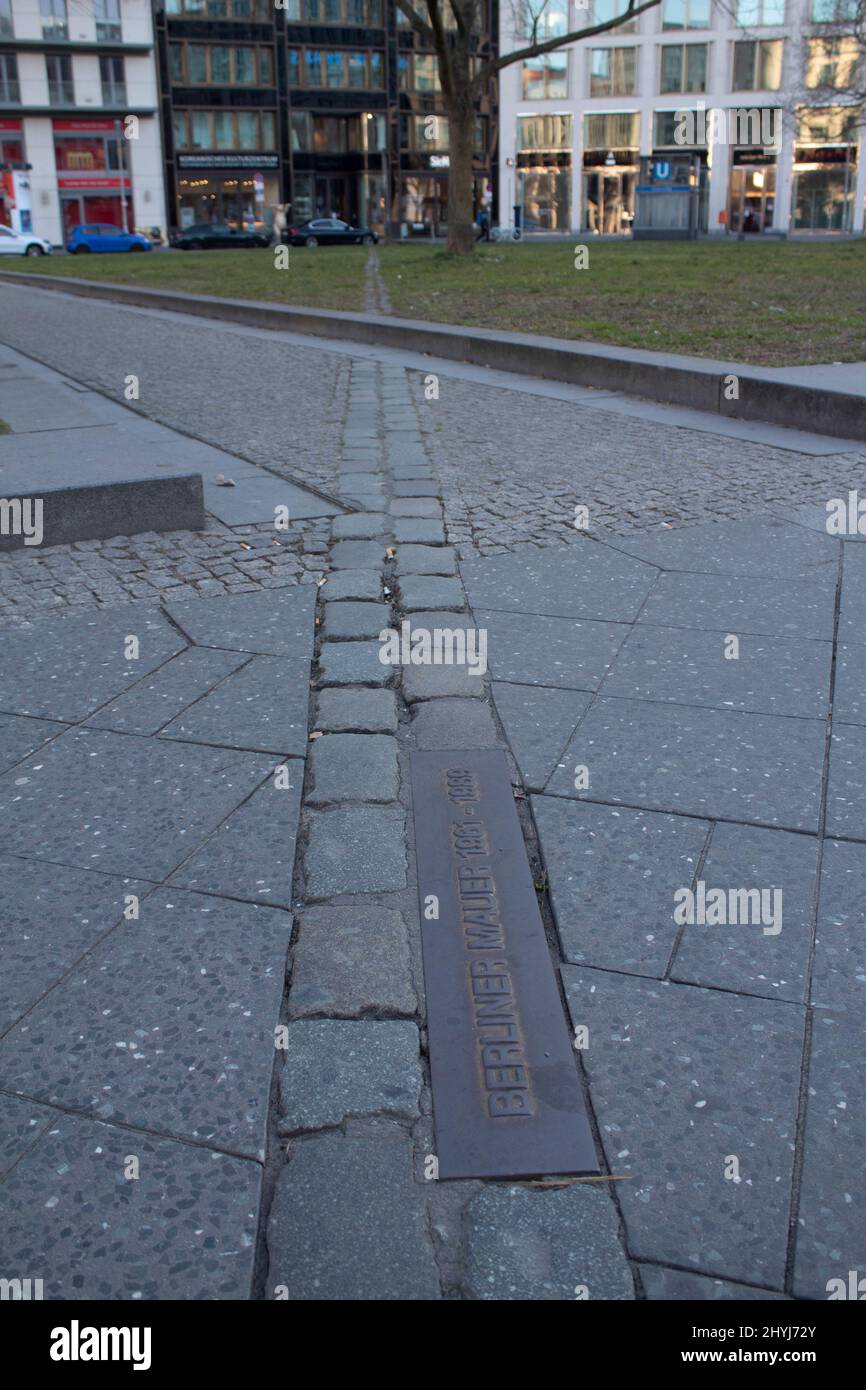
461	138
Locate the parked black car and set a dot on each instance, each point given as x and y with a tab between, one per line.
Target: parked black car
210	236
328	231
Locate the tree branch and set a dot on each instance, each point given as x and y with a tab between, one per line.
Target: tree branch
534	50
418	24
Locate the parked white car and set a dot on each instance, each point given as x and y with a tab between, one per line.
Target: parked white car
22	244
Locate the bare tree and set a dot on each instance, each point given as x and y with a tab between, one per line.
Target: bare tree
457	31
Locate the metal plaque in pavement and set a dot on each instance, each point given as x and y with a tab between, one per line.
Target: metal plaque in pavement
507	1097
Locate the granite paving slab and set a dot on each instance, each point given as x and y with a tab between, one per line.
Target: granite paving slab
846	793
184	1229
769	958
426	559
20	735
262	707
612	876
257	497
661	1282
831	1233
251	855
701	762
682	1081
341	1067
356	711
354	767
425	591
121	804
849	692
688	667
354	584
357	555
353	663
839	968
349	620
348	1222
22	1122
66	667
167	1025
585	580
156	700
359	526
278	622
357	850
797	608
539	721
532	650
816	515
455	724
760	546
418	531
351	962
852	610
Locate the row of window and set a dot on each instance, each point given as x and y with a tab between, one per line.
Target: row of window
224	130
55	19
242	65
61	86
620	130
552	16
335	67
312	133
363	13
831	63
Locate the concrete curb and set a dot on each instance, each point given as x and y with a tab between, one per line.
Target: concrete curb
654	376
98	511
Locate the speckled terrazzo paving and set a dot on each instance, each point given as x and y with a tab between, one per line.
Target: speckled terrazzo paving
136	1015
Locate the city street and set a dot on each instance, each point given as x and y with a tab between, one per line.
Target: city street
215	1049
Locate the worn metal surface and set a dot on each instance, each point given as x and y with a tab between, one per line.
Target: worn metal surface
507	1098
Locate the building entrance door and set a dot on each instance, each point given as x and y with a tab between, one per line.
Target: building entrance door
752	202
336	196
608	200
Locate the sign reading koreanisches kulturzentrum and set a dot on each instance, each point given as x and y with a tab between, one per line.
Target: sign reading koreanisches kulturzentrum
507	1097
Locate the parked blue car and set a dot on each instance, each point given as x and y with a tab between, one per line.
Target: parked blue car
97	236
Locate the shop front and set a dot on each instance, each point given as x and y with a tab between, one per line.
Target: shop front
611	143
239	190
752	192
93	180
543	180
825	170
11	161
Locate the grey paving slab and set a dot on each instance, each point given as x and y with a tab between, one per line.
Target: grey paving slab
350	962
525	1245
262	707
416	487
352	555
816	516
418	531
354	584
846	793
677	1284
416	506
359	526
278	622
700	762
539	721
612	876
682	1079
354	767
350	620
751	546
252	854
22	1122
564	652
423	591
454	724
585	580
798	608
769	958
363	482
839	968
426	559
157	699
353	663
52	915
358	850
337	1067
167	1025
849	691
29	404
435	682
831	1233
681	665
357	711
852	609
121	804
348	1222
20	735
184	1229
259	497
66	667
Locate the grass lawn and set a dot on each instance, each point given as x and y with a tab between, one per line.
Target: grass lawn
767	303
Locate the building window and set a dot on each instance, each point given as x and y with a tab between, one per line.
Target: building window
603	10
539	20
6	27
612	72
545	77
750	13
428	133
686	14
61	89
619	130
220	9
92	153
221	65
335	68
544	132
834	11
758	65
419	72
113	81
107	14
832	62
54	21
10	92
827	125
684	67
363	13
224	130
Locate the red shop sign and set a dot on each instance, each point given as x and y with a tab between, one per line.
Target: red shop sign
6	123
83	125
83	184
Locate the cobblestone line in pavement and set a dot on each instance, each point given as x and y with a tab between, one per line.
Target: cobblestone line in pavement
355	1210
376	297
